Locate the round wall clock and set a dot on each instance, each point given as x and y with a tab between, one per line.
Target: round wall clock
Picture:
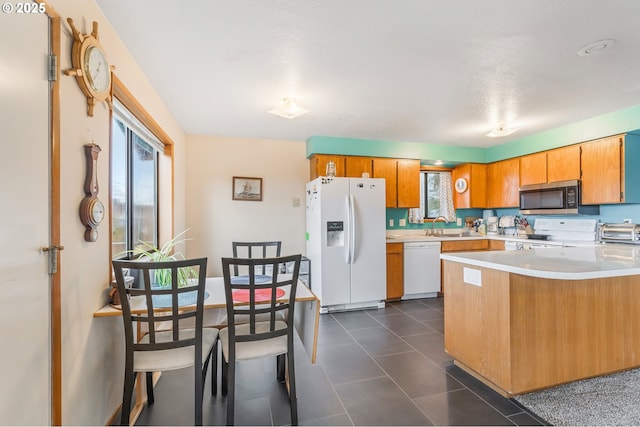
92	210
90	67
461	185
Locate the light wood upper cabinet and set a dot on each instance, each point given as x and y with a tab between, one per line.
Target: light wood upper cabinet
610	170
563	164
387	169
533	169
402	176
318	165
475	196
602	172
356	166
408	183
503	182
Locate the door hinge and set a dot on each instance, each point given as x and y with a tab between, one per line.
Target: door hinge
53	257
53	68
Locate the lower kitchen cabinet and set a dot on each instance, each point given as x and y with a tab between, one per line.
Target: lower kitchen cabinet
395	271
464	245
496	245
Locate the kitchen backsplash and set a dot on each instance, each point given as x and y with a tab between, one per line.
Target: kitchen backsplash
608	214
396	215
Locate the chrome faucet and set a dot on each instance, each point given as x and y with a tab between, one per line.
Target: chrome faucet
432	233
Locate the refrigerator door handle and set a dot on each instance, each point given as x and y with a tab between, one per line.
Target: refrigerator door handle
352	229
348	236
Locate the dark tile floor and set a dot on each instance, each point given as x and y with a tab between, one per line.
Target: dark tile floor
374	367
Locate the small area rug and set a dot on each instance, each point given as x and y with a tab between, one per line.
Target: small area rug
603	401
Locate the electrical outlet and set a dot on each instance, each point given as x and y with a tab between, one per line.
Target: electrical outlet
459	222
402	222
391	222
472	276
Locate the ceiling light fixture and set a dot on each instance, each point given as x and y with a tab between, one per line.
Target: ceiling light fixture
596	47
501	130
289	109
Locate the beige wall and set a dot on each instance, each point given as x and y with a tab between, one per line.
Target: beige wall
92	349
215	220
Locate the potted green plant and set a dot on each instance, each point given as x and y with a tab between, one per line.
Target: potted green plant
165	252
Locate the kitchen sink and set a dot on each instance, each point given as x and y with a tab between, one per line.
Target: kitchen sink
424	236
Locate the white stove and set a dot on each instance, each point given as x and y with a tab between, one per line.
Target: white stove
558	232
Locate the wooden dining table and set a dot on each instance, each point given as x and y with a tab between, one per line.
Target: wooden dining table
306	318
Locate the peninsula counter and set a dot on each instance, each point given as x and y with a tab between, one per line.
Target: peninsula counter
527	320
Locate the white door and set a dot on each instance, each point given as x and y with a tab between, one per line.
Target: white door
369	265
24	220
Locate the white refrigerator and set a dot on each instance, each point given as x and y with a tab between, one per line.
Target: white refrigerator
346	242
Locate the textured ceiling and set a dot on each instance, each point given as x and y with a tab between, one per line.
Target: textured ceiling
443	72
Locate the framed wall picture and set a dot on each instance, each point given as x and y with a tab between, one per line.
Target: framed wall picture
247	188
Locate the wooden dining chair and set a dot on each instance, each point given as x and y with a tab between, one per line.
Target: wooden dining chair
167	345
261	296
256	250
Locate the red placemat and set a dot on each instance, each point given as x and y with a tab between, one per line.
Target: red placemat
242	295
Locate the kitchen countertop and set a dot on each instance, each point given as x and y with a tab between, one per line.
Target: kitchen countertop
408	236
403	236
564	263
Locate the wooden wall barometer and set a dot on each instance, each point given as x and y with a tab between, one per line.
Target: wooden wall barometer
91	209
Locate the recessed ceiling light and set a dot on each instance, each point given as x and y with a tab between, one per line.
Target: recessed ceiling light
596	47
501	130
289	109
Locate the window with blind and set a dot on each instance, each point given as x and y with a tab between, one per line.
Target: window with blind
134	183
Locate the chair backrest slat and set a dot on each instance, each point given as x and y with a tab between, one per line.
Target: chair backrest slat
176	299
252	294
256	250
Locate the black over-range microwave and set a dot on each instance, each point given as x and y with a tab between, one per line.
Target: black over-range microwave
554	198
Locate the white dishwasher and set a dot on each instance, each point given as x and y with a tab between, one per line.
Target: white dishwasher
421	269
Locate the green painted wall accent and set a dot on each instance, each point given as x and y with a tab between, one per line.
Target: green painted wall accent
394	149
627	120
621	121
